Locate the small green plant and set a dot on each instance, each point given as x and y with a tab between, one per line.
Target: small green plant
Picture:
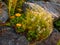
16	22
34	25
15	6
15	15
57	24
38	25
12	6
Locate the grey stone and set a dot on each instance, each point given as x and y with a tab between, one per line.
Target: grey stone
55	1
3	12
51	7
9	37
22	41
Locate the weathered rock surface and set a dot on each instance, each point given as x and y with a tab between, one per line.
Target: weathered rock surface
3	12
52	8
9	37
55	1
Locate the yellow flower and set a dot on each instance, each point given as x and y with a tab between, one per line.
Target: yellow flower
18	25
12	16
17	14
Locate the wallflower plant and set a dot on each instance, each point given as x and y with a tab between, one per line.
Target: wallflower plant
34	25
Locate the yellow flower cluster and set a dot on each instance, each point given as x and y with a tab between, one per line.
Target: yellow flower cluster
17	15
18	25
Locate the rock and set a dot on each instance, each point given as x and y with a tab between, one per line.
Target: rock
3	12
9	37
52	8
30	0
55	1
22	41
52	39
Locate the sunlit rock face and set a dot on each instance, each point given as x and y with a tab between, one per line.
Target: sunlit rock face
53	8
3	12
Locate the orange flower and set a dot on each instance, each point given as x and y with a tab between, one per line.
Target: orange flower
18	25
12	16
17	14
